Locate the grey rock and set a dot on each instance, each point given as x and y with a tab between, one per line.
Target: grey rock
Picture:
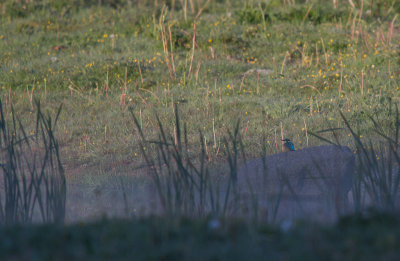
309	183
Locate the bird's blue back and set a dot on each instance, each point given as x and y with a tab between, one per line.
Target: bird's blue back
289	145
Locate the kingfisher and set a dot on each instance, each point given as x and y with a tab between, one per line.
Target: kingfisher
288	145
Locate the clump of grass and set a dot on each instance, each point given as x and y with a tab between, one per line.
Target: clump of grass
33	180
378	176
184	184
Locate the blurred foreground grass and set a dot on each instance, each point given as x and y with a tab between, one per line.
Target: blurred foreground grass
375	237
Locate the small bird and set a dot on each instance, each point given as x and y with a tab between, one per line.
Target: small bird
288	145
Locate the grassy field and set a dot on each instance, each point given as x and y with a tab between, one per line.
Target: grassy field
241	75
100	60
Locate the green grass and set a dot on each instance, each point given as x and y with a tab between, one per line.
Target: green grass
101	40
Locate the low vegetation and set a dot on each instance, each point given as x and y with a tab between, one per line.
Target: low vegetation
372	237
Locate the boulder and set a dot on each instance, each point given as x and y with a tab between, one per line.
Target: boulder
309	183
